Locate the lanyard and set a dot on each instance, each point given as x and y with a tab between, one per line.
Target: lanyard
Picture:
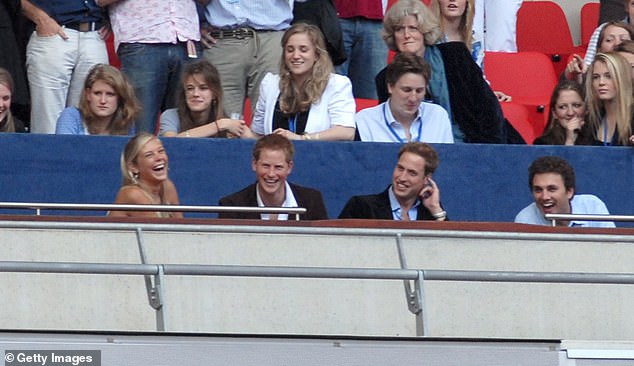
420	126
605	132
292	123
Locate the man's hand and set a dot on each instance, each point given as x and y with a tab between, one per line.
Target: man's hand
430	196
205	37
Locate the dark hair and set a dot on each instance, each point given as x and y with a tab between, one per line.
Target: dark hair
211	77
554	133
404	63
625	46
423	150
274	142
552	164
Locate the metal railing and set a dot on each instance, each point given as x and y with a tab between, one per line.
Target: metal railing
38	207
159	271
579	217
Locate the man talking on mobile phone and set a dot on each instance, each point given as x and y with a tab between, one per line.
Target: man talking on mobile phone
413	194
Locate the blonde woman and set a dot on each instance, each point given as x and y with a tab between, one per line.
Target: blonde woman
306	101
609	99
8	123
456	22
107	106
144	167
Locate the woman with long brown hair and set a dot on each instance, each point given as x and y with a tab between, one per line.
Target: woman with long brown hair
200	112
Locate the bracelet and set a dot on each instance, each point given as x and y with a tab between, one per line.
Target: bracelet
307	137
187	134
440	215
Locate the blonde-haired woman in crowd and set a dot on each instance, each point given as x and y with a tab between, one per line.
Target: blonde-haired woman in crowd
8	123
144	167
456	22
609	99
107	105
306	101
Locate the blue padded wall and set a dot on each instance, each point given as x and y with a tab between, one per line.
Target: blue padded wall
477	182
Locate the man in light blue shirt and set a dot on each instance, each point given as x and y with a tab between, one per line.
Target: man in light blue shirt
552	182
404	117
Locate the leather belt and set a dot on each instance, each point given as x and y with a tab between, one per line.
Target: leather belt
84	26
238	33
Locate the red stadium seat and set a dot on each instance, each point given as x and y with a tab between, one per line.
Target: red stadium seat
365	103
542	27
589	21
519	117
528	77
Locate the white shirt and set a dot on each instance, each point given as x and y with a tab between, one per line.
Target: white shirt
582	204
377	124
335	107
289	201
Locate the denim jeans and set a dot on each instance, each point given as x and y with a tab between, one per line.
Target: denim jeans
367	54
154	70
57	70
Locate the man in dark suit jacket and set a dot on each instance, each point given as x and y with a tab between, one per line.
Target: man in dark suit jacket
272	164
413	195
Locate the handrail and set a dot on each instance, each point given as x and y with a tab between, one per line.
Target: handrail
586	217
38	206
159	270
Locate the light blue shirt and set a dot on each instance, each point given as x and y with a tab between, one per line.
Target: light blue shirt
396	207
581	204
71	123
260	15
378	124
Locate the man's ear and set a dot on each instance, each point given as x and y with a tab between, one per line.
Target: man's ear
253	163
290	167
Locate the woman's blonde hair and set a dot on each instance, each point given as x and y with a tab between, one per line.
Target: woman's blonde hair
7	81
128	106
466	21
620	71
298	98
428	24
130	154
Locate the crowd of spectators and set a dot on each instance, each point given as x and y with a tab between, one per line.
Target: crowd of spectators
187	67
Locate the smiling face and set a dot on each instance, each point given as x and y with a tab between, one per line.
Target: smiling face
409	177
452	9
271	170
569	105
603	82
300	56
550	193
198	95
408	37
612	37
102	99
150	163
5	101
406	95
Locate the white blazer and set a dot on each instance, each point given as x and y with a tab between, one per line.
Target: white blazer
335	107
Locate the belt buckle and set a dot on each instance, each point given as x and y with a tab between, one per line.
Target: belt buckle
240	33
